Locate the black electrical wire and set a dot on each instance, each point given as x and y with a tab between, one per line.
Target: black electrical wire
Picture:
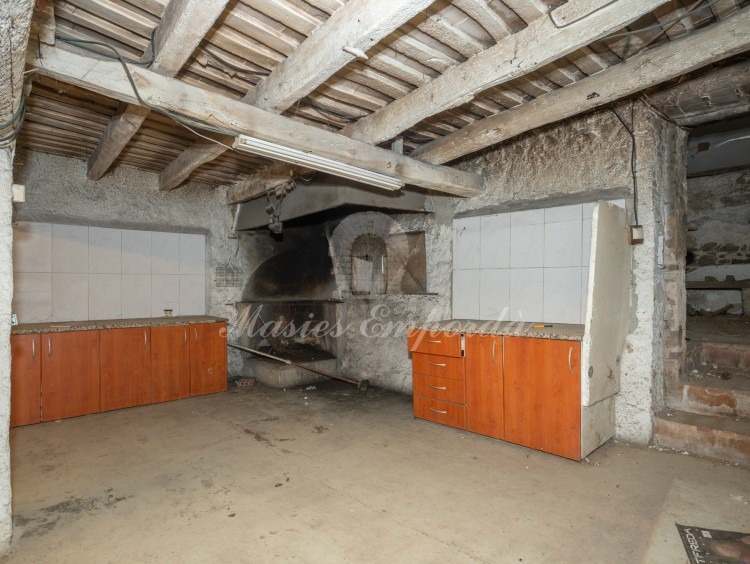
19	117
231	65
633	155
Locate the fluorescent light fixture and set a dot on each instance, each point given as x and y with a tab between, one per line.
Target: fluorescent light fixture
323	164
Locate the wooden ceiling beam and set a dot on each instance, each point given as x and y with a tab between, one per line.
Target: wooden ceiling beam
718	41
351	30
195	156
183	26
543	41
719	95
168	94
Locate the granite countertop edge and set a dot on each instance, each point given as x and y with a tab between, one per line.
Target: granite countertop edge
98	324
555	331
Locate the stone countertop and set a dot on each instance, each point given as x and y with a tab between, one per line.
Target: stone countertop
560	331
62	327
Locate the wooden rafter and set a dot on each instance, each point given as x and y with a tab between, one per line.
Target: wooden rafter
724	39
543	41
353	29
182	27
169	94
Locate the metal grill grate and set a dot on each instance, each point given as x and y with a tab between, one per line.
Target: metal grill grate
227	277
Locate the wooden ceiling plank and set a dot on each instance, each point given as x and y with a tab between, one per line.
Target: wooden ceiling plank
357	27
439	28
527	10
533	47
182	27
243	20
718	41
422	48
480	11
330	7
286	13
124	15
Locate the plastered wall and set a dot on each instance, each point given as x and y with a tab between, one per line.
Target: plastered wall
572	162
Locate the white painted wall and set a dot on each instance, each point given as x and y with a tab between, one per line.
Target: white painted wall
530	265
75	273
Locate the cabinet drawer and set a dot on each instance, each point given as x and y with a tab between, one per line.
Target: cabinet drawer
434	387
442	366
435	342
443	412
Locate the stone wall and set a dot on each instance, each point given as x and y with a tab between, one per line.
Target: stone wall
718	240
57	191
579	160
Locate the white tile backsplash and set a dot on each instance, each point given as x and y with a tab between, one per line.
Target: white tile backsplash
495	241
32	296
494	294
32	247
562	244
165	253
527	246
70	248
526	294
136	252
105	250
562	295
105	296
136	295
466	294
192	254
74	273
466	241
535	263
70	297
192	294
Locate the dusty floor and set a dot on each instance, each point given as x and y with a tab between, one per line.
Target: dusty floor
336	475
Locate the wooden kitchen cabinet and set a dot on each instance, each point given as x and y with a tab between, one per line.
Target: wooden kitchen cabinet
208	358
125	368
542	390
170	363
70	374
25	380
484	385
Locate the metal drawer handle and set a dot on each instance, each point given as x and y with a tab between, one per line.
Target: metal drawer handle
49	346
428	341
185	331
145	339
494	358
438	411
33	348
436	364
195	330
570	356
438	387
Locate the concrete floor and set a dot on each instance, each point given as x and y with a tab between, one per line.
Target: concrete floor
336	475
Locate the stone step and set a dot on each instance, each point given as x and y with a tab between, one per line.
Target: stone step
721	437
713	396
723	354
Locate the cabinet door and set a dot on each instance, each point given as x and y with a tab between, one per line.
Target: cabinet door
70	374
208	358
543	395
126	368
170	363
484	385
25	380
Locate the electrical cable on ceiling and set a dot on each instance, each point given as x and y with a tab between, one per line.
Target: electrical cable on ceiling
633	155
18	118
219	59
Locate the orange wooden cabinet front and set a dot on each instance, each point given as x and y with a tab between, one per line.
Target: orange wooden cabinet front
125	368
208	358
70	374
484	385
543	395
26	380
170	363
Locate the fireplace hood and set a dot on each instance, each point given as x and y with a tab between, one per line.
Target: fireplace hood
329	193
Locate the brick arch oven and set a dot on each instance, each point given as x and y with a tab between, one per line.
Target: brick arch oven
370	253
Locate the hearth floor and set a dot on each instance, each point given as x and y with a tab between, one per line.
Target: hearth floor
334	475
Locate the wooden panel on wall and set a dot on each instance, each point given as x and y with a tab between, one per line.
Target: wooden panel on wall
25	380
125	368
208	358
542	388
170	363
70	374
484	385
